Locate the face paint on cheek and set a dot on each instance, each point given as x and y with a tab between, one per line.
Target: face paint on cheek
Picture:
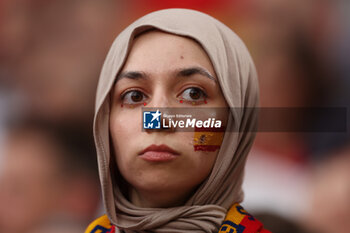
207	139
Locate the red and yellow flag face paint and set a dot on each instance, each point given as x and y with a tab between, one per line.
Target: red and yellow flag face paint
239	221
208	139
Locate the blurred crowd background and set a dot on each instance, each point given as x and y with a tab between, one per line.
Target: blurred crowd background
51	53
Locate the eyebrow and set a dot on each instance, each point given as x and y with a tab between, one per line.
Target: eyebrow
182	72
195	70
131	75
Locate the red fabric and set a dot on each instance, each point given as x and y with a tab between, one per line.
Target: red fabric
251	224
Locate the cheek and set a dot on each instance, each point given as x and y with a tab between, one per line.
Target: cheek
124	124
198	167
207	141
124	128
201	154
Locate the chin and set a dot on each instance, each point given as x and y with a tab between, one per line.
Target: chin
157	184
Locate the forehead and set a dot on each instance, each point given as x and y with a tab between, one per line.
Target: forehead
159	51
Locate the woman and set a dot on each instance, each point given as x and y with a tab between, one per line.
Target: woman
168	180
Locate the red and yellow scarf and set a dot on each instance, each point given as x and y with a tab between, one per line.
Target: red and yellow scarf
237	220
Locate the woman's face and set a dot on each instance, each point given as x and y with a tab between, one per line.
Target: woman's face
163	70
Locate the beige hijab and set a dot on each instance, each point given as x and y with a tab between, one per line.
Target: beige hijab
206	209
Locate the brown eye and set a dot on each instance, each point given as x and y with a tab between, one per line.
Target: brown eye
193	94
136	96
133	97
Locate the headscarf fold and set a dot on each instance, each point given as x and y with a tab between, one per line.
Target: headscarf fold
206	209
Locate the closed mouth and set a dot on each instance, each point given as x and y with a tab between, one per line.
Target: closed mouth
158	153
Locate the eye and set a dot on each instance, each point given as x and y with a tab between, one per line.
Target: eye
133	97
193	94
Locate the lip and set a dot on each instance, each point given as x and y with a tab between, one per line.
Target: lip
158	153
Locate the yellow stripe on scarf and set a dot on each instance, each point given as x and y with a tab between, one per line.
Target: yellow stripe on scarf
100	225
240	221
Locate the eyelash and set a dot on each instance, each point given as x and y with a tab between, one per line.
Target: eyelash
203	97
123	96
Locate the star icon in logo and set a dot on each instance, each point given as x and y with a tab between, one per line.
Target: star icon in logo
155	115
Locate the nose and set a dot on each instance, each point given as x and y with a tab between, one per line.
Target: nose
161	101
